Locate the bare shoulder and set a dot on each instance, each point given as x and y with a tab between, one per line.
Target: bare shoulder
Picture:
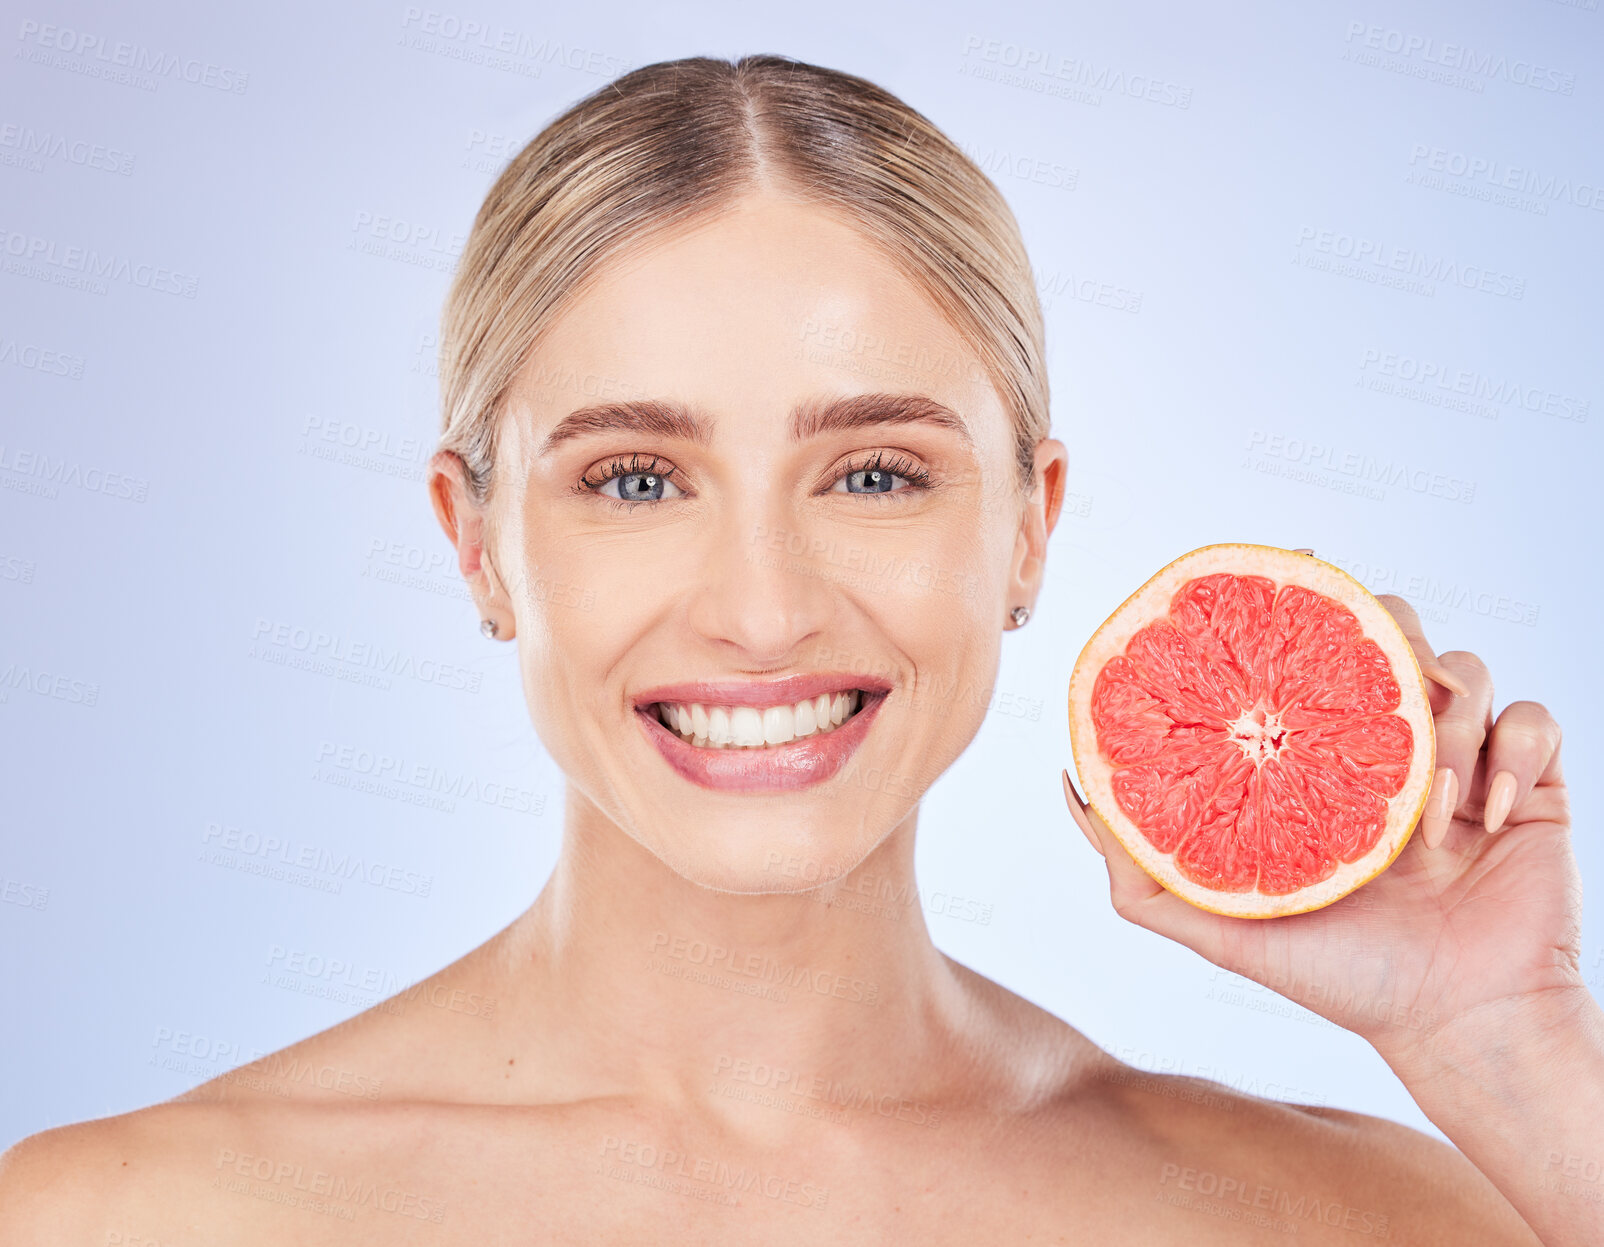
78	1183
254	1170
48	1191
1310	1170
343	1107
344	1096
1435	1187
339	1101
1213	1162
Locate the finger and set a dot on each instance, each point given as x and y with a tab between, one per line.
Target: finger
1524	739
1441	799
1138	897
1129	884
1461	728
1078	813
1430	667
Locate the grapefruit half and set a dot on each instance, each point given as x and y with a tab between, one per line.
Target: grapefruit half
1253	726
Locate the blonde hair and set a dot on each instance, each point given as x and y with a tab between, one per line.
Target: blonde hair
673	142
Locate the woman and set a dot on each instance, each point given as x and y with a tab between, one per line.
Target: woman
745	444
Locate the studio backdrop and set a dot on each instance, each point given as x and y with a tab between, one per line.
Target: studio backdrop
1320	276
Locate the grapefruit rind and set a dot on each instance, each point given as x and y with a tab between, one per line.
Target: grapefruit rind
1152	601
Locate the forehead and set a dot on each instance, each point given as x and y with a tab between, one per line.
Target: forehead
773	302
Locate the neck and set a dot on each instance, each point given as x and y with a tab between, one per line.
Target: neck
662	986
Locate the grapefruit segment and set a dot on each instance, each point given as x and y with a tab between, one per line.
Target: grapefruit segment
1253	726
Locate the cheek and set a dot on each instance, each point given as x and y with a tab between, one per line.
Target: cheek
960	567
567	640
951	645
564	655
951	632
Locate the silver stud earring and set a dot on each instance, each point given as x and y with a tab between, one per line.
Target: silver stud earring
488	627
1019	615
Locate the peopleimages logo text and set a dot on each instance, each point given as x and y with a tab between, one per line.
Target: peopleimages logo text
1411	260
1457	56
135	57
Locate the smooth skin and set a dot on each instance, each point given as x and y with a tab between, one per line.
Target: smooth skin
595	1074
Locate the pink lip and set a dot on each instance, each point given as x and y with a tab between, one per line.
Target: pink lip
797	764
784	691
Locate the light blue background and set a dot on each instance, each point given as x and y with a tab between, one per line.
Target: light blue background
134	963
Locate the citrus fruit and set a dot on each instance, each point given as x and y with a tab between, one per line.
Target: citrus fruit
1253	726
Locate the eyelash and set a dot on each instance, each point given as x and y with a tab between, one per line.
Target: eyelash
612	471
918	478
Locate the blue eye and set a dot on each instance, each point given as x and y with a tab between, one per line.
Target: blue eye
639	487
870	481
878	474
637	482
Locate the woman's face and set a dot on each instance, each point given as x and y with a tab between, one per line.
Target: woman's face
821	492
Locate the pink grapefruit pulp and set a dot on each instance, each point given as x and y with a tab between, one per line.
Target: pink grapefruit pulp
1253	726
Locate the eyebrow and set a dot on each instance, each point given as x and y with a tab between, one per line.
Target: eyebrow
811	418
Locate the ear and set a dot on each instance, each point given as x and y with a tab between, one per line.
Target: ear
1037	522
465	526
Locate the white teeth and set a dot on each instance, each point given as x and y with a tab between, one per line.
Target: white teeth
748	727
779	725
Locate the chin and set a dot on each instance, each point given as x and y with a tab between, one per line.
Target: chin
754	857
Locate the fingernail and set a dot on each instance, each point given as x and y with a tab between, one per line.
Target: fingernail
1500	796
1436	671
1440	807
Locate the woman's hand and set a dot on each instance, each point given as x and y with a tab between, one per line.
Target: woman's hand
1479	914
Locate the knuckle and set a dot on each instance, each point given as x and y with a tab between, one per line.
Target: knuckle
1521	733
1529	720
1550	804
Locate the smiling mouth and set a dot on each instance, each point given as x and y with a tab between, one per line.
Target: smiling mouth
708	726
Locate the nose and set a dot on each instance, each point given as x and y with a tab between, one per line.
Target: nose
763	589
